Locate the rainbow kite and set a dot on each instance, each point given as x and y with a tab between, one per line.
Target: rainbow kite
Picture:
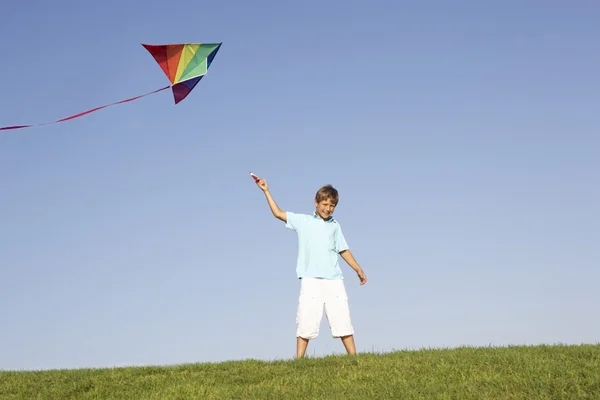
184	64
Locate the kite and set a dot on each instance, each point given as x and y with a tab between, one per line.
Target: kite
183	64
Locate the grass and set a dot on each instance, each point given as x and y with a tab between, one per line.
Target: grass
516	372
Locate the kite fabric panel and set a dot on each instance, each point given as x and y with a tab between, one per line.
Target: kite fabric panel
183	64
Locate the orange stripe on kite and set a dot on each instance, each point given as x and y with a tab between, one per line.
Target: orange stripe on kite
173	57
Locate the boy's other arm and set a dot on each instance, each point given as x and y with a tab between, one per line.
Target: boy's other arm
349	258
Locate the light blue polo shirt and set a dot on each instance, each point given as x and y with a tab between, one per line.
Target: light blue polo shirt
319	243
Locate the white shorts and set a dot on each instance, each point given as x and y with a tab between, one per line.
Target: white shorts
316	294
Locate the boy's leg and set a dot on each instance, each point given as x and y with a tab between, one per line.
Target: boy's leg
338	314
348	342
301	345
309	314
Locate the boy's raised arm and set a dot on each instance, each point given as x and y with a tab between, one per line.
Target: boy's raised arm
277	212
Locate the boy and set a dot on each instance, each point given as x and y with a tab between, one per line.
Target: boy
320	240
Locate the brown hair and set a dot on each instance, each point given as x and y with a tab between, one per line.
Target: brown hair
327	192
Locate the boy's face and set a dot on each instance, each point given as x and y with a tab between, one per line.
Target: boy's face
325	208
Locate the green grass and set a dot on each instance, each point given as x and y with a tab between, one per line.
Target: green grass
517	372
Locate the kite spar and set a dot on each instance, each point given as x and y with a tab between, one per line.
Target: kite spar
183	64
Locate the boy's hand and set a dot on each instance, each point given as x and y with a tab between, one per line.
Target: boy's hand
262	184
362	276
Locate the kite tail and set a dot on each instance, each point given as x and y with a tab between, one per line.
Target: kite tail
85	112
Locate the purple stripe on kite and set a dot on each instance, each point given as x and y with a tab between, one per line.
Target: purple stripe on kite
85	112
182	89
191	83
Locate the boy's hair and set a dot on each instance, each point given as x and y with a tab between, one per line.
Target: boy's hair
327	192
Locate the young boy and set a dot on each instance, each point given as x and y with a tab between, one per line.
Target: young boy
320	240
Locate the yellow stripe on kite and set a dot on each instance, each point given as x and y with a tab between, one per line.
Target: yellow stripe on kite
186	56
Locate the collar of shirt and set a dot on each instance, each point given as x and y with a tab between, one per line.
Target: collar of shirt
315	216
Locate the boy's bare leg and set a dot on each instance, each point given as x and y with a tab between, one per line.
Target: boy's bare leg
348	342
301	345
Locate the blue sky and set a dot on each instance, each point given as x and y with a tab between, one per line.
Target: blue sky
463	139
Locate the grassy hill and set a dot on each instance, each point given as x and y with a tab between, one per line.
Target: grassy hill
519	372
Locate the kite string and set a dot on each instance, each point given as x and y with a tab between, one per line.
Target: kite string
85	112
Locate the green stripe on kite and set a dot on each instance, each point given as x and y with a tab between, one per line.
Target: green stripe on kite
198	64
